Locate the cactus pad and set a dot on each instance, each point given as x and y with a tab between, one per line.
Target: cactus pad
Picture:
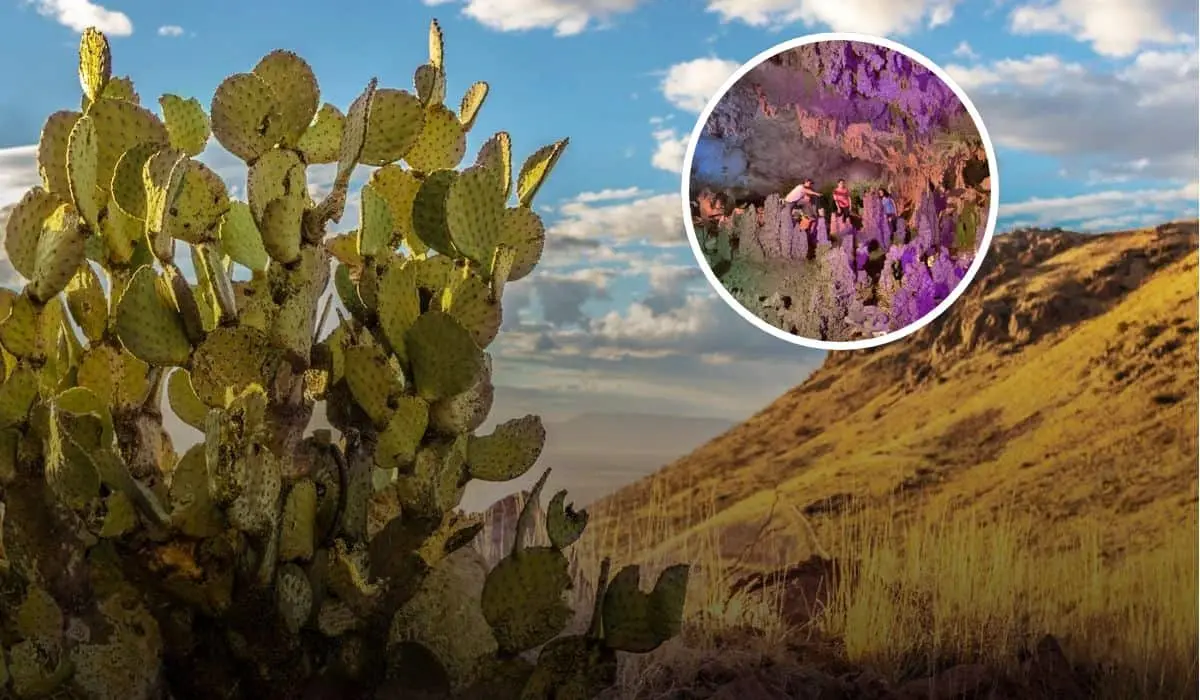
246	117
280	227
294	596
60	252
399	187
354	132
398	442
463	413
402	307
429	211
523	598
162	178
294	87
52	152
524	232
128	184
88	305
149	324
233	359
564	524
496	155
393	127
372	381
17	394
512	448
240	239
475	213
82	170
297	535
437	45
277	173
640	622
472	101
95	63
375	223
121	126
184	401
187	124
195	214
445	360
322	140
469	300
24	228
115	376
442	143
535	169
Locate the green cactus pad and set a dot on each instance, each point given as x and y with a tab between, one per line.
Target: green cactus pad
293	597
398	287
184	402
347	293
195	214
429	211
24	228
398	443
119	88
38	618
564	524
354	132
187	124
246	117
640	622
120	233
372	381
472	101
275	174
52	152
87	302
17	394
60	252
430	84
82	151
19	329
525	233
148	322
322	140
119	516
294	86
394	126
535	170
523	601
162	177
469	300
240	239
95	63
256	508
280	228
437	481
510	451
437	45
442	143
297	534
375	223
445	360
205	290
114	375
501	270
368	285
475	213
128	184
344	248
399	187
572	668
230	358
121	126
463	413
496	155
70	472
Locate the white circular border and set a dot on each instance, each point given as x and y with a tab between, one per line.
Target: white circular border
698	250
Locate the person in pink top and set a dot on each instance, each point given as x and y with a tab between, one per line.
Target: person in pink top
841	199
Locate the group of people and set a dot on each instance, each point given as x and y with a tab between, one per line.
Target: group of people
804	203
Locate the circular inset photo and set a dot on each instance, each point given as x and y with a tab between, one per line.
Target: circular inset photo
841	191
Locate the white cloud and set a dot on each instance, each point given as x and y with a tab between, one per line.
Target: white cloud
18	172
609	195
1096	122
881	17
656	218
81	14
1112	27
691	84
565	17
1106	209
964	50
170	30
670	148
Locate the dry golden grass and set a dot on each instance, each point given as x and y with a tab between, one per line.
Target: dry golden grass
948	587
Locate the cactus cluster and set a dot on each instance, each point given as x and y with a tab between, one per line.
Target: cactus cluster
269	560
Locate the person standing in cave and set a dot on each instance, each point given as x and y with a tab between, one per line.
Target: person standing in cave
889	208
841	200
805	196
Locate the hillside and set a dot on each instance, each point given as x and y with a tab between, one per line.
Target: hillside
1061	386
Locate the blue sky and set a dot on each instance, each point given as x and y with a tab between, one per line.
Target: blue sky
1092	106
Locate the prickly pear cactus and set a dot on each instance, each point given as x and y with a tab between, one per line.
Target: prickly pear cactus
267	561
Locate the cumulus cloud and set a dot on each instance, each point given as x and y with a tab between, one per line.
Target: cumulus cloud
881	17
1106	210
565	17
691	84
171	30
1101	123
657	219
18	172
964	50
670	147
1112	27
81	14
